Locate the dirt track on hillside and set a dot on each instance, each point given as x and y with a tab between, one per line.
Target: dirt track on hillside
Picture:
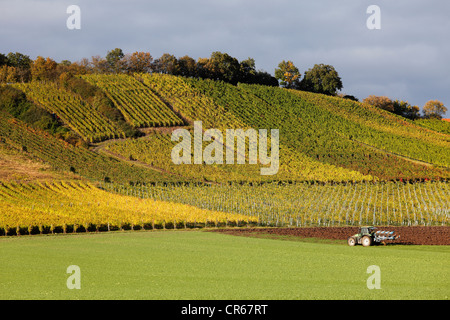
417	235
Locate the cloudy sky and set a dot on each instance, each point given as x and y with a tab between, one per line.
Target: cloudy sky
407	59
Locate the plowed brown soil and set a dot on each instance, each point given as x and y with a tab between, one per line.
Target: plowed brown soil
417	235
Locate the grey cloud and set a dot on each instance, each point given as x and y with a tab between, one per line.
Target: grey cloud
407	59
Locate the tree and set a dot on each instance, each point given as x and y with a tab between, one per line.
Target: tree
288	75
22	63
247	69
202	71
167	63
19	60
65	63
265	78
187	66
350	97
222	66
8	74
434	109
322	78
113	58
381	102
139	62
65	66
43	69
99	65
404	109
3	60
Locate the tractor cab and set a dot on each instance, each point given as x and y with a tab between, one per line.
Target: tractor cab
367	230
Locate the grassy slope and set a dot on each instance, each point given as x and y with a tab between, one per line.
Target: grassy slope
200	265
18	166
63	156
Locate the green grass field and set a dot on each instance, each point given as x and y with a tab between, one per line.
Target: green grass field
205	265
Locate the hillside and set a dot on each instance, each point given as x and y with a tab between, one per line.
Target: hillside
322	138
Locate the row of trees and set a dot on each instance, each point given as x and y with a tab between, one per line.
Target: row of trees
219	66
431	109
321	78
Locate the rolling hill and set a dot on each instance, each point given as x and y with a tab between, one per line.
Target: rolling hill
322	138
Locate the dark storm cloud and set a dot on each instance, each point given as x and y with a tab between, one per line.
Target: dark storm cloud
407	59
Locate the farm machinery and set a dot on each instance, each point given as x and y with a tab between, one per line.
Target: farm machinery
367	236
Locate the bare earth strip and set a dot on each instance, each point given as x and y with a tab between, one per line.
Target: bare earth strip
414	235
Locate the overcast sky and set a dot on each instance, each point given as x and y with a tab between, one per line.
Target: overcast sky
407	59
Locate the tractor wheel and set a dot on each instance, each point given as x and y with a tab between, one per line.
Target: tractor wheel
351	241
366	241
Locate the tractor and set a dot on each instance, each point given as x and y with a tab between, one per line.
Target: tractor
367	236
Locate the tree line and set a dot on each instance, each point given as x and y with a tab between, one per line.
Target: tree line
321	78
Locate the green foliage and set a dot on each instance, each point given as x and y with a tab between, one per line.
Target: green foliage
288	75
404	109
321	79
19	60
14	102
3	59
113	58
435	124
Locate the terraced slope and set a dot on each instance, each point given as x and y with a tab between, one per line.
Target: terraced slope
322	138
197	103
316	131
139	105
66	157
80	116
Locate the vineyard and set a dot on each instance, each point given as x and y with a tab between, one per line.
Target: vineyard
155	150
382	129
327	136
435	124
50	207
139	105
254	190
342	163
63	156
194	99
81	117
305	204
74	206
316	131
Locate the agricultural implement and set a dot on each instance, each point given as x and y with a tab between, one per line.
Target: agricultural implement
367	236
